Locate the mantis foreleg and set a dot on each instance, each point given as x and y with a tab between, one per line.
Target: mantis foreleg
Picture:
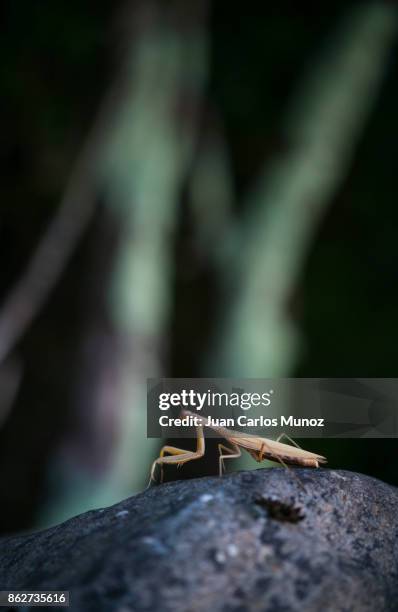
179	455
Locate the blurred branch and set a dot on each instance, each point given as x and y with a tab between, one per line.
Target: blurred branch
151	153
257	339
150	148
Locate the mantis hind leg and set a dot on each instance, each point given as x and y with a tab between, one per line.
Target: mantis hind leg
233	453
284	435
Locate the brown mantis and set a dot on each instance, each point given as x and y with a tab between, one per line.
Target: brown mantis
259	448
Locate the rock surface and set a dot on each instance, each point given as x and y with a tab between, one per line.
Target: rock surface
251	541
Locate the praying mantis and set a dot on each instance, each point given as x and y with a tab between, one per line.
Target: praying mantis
259	448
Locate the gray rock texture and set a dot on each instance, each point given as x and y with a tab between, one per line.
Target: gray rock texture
267	540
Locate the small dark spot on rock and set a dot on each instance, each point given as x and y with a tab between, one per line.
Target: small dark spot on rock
262	584
176	581
301	588
336	513
239	593
280	511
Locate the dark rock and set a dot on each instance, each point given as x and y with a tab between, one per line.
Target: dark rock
236	544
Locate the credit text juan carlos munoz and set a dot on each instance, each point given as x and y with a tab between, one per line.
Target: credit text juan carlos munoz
193	402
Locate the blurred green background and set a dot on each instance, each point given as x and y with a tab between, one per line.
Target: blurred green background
232	186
